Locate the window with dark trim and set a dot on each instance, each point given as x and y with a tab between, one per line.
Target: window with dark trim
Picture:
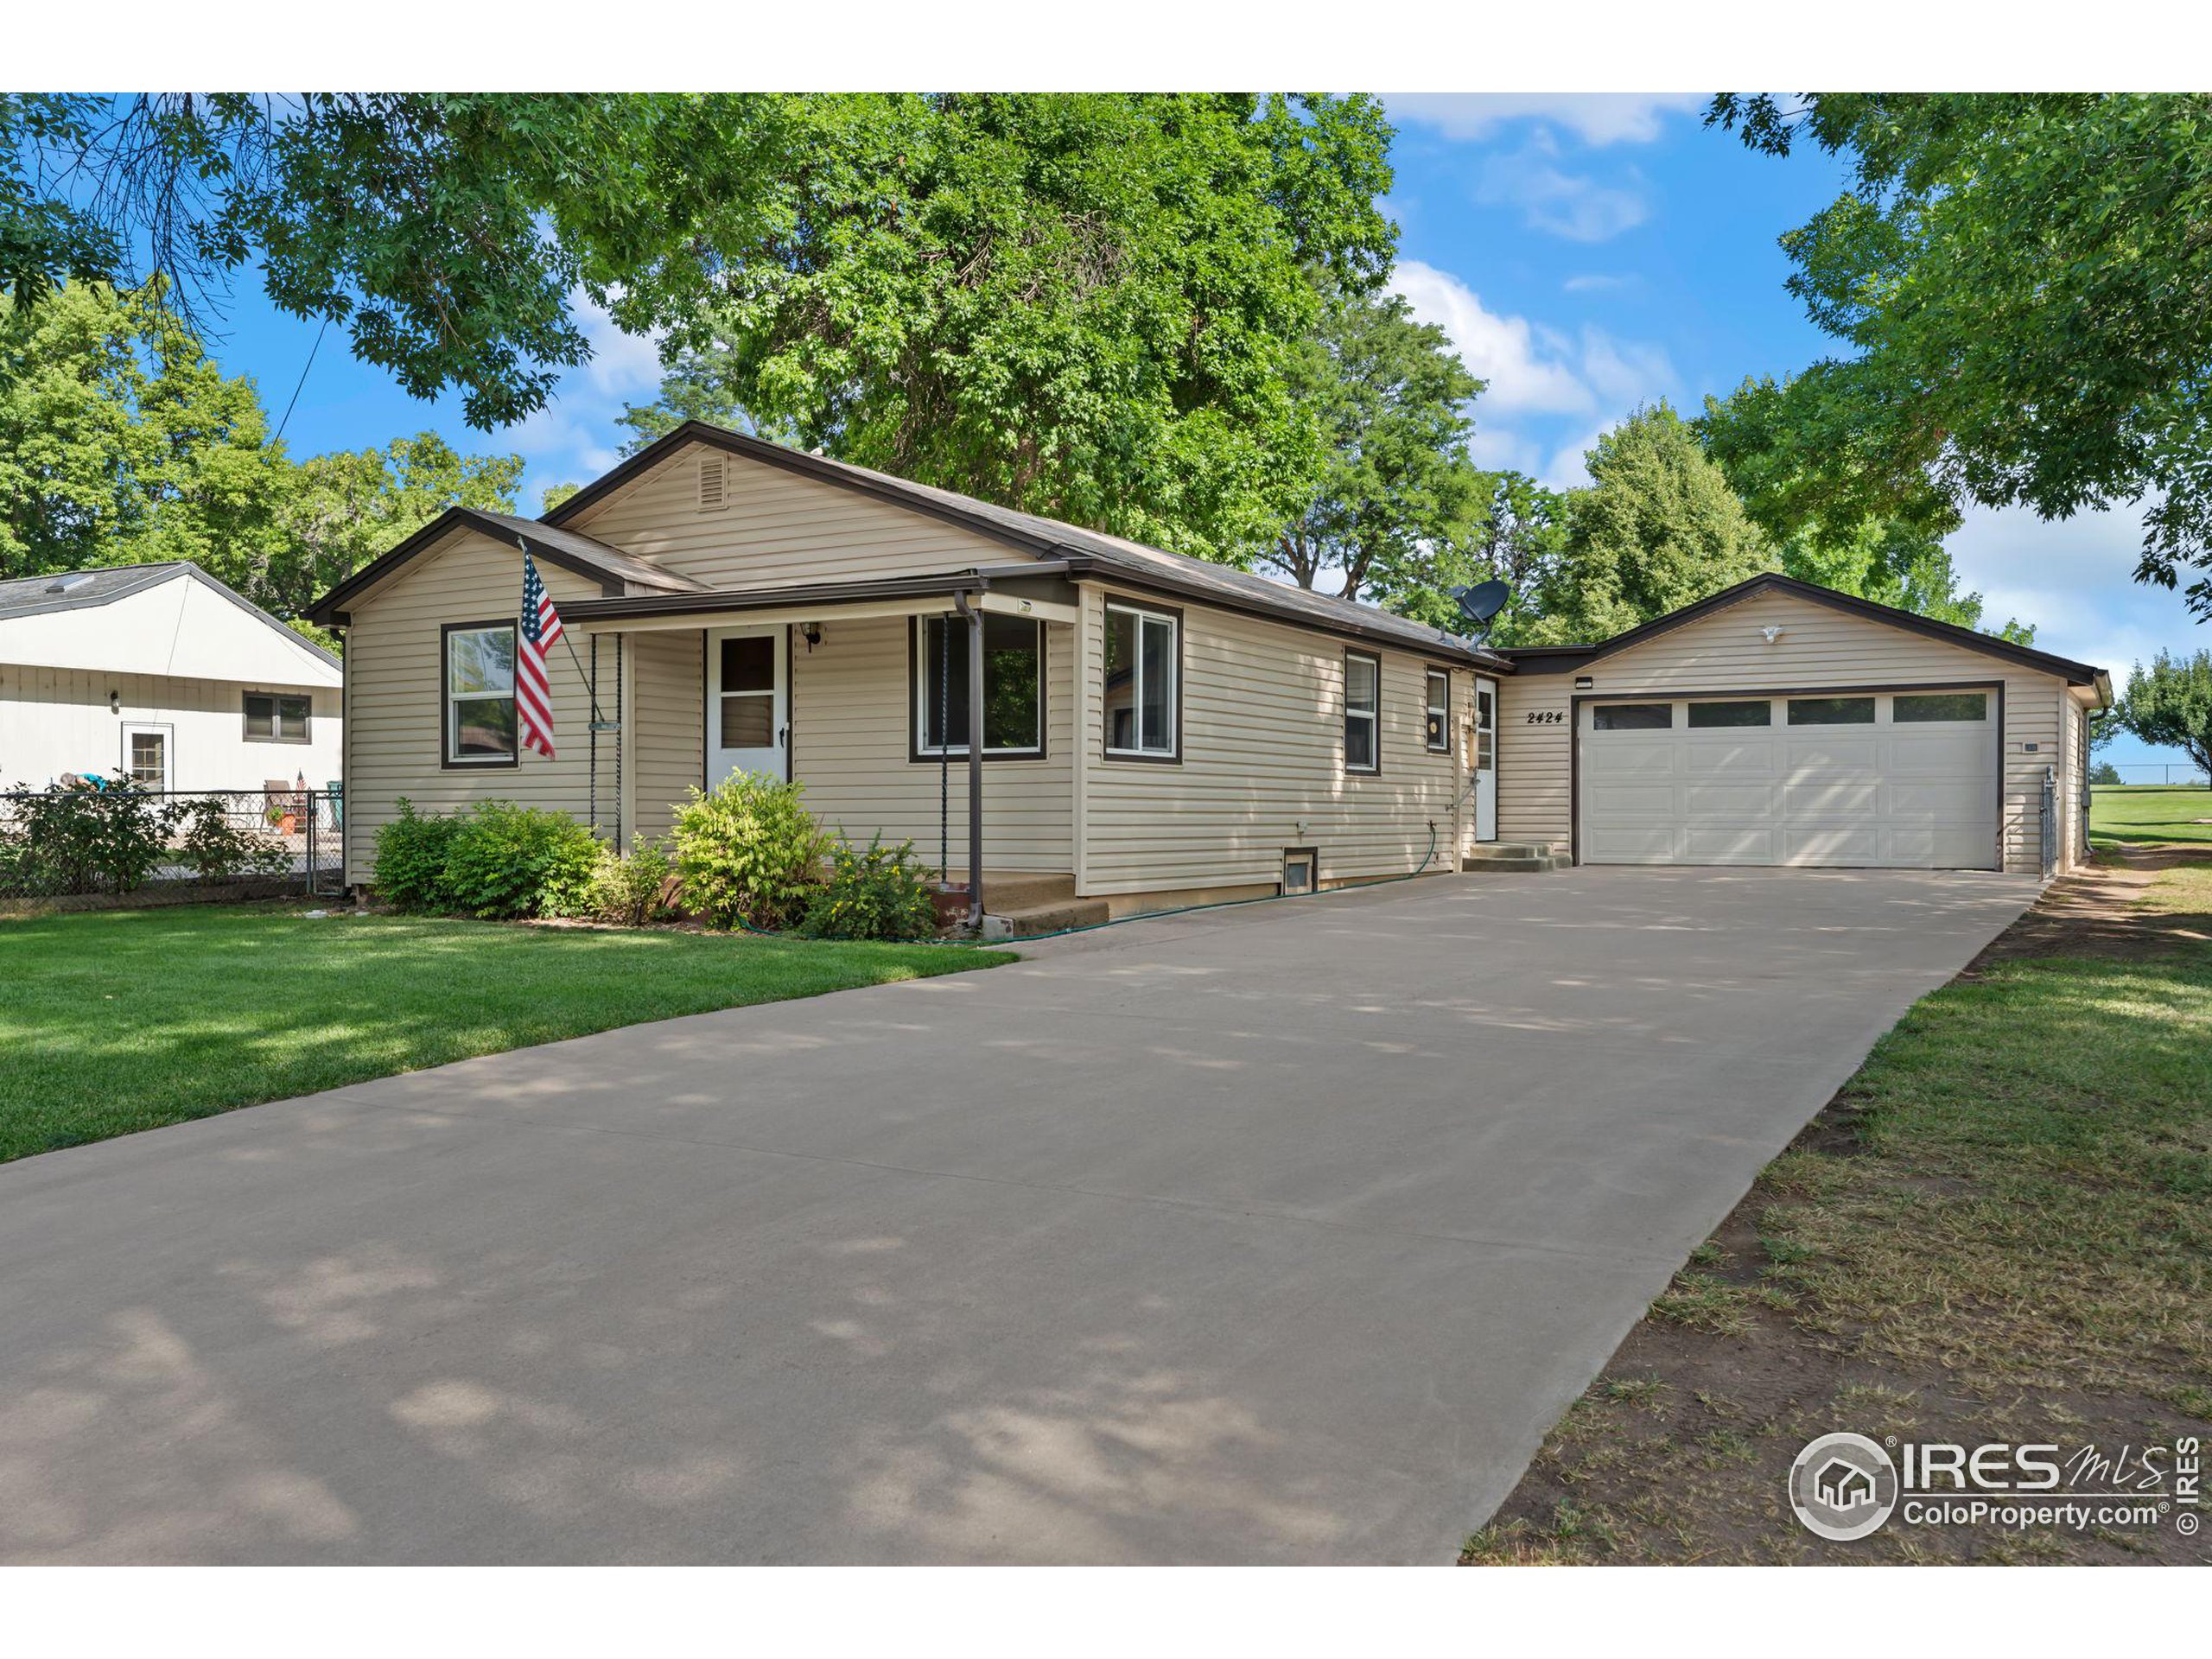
1013	686
477	686
1362	712
1436	717
1830	711
1633	717
272	717
1143	683
1911	708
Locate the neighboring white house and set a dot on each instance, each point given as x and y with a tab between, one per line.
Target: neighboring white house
161	672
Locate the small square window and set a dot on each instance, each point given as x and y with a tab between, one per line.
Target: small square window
272	717
1297	867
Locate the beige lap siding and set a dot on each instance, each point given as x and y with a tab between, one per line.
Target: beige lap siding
851	745
1262	729
775	528
395	688
665	724
1727	651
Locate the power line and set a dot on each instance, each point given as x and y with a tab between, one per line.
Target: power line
309	364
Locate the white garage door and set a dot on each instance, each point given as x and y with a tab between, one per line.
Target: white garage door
1883	779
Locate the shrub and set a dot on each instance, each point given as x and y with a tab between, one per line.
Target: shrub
747	851
872	892
411	851
507	861
2106	773
74	841
630	890
214	849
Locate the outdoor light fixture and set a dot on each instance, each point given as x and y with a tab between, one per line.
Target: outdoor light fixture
1583	683
114	702
812	633
1772	633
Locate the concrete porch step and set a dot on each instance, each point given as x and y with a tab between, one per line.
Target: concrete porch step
1041	919
1500	857
1006	890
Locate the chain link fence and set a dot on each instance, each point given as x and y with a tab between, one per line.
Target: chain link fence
2177	775
85	846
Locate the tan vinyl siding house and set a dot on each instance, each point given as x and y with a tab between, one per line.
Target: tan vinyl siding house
1172	727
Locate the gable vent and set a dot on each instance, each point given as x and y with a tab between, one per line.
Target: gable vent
711	483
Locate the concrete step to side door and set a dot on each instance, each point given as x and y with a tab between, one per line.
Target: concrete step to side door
1043	919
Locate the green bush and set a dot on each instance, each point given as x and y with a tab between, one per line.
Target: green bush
747	851
215	849
411	851
630	890
872	892
507	861
77	841
2106	773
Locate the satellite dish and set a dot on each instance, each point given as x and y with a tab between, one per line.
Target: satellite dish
1482	602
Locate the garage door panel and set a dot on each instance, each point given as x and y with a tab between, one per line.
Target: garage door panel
1730	846
1730	759
1920	795
1739	803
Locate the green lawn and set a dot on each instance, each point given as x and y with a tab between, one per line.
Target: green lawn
117	1020
2149	812
2001	1229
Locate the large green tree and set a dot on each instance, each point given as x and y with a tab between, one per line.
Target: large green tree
2170	704
445	234
1397	508
123	442
1658	528
2024	285
1522	536
1087	306
1893	558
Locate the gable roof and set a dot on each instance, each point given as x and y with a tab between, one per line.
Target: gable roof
618	572
1087	552
1561	659
29	596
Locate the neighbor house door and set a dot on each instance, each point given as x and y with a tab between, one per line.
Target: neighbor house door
1483	757
748	704
146	757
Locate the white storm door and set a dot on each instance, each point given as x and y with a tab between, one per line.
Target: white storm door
748	712
1484	760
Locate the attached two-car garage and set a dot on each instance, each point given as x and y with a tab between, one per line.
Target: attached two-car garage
1889	778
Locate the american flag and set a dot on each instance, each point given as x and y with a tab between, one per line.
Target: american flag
541	626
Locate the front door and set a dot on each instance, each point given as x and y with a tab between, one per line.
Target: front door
748	712
1484	757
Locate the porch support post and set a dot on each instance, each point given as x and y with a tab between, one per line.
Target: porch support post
974	759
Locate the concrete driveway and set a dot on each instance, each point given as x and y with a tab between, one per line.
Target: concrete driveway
1275	1234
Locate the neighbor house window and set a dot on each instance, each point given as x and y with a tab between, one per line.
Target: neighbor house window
1940	705
1436	726
479	685
1362	711
1633	717
1830	711
1143	683
1704	715
1014	685
271	718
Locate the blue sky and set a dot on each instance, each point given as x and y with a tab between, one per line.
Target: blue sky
1586	253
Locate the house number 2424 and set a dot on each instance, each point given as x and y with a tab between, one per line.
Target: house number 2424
1545	717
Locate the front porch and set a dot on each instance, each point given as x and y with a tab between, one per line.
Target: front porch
861	693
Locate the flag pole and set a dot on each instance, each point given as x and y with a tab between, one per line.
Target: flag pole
590	690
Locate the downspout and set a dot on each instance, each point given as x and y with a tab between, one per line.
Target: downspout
975	617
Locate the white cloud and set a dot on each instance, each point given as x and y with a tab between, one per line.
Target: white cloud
1532	369
1598	281
1568	468
1595	118
1573	205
